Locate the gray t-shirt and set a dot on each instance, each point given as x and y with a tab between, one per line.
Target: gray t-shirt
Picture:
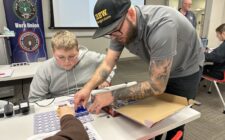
164	32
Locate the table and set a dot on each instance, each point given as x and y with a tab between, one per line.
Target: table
21	72
119	128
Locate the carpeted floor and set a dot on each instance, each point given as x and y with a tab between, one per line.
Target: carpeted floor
211	125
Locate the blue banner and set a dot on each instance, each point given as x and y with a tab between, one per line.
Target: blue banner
25	18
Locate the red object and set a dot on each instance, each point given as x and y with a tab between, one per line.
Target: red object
178	135
110	111
214	79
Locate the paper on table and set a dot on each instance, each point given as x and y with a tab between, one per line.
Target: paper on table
6	73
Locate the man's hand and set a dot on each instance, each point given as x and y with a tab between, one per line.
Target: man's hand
100	100
104	84
81	98
64	110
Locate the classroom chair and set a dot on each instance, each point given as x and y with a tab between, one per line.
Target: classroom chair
215	81
178	135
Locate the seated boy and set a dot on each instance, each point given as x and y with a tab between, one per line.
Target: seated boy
70	68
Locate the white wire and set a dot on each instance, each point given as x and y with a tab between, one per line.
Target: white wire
75	80
67	82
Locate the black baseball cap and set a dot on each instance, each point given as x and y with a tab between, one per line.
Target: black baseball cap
108	15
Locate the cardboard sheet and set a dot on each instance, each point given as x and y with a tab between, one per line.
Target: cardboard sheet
153	109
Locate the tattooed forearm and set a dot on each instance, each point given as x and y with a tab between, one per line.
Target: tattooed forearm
106	67
104	74
103	70
159	75
159	72
138	91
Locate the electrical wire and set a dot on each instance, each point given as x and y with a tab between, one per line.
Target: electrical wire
46	104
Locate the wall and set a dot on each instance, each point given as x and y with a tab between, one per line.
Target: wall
174	4
2	16
100	45
216	18
223	19
156	2
198	7
84	36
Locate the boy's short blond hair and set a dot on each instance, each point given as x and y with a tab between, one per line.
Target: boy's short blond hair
64	40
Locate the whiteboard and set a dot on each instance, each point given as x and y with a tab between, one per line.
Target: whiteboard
76	13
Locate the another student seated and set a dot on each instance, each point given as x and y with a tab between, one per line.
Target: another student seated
70	68
217	56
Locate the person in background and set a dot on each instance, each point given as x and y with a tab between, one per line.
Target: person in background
71	127
162	37
70	68
217	56
185	10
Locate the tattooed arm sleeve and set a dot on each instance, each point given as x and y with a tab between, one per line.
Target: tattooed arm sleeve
159	72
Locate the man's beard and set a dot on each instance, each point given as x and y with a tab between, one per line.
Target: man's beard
131	34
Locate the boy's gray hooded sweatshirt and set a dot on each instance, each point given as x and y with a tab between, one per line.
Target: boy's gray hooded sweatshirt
51	81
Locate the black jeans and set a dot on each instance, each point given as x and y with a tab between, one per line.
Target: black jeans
212	71
186	87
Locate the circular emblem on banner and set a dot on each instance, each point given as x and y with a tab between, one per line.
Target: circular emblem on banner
29	41
24	9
